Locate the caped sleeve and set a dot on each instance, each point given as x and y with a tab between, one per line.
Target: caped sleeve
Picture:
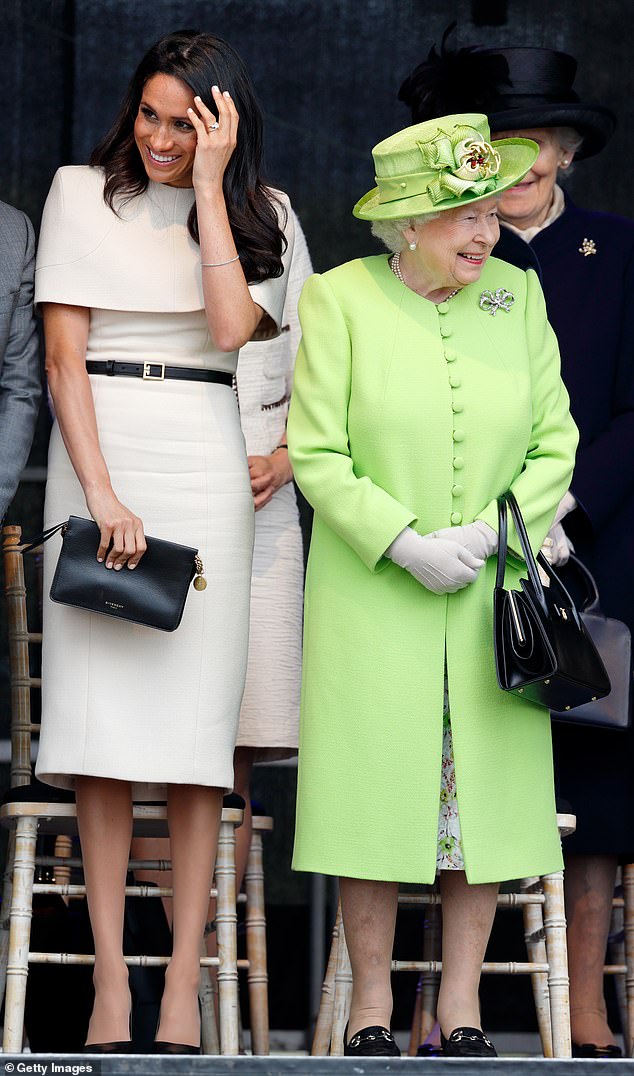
355	508
271	293
548	465
139	258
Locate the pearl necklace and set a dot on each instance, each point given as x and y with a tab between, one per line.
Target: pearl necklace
395	265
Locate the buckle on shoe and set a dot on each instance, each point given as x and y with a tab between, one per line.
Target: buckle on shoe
147	371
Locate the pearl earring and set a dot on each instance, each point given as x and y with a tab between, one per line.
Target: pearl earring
412	246
565	161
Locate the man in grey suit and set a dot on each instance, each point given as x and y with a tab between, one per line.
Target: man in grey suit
20	382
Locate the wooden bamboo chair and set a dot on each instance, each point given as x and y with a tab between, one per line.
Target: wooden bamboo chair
256	959
257	973
547	964
31	809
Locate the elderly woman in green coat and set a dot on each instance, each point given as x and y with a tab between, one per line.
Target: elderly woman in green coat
427	383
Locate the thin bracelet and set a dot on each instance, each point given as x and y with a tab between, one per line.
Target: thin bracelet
280	446
214	265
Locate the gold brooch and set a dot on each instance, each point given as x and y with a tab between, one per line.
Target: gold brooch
588	247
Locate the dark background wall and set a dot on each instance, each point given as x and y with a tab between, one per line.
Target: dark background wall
327	73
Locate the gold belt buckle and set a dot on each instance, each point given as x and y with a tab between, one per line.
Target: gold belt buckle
147	371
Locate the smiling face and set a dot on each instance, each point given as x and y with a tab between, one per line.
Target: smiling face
452	249
527	204
163	134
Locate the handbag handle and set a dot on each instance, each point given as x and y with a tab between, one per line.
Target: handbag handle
533	574
591	603
531	562
43	537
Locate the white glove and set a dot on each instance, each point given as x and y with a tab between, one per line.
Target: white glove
567	504
478	537
440	565
557	546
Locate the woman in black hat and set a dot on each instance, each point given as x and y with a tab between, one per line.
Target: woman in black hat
587	267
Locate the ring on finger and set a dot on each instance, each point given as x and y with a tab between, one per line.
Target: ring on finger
213	126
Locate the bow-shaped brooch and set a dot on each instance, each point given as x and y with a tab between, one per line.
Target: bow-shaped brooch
492	301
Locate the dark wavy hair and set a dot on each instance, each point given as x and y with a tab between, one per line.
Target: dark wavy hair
201	61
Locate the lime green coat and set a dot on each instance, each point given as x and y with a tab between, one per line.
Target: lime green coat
405	413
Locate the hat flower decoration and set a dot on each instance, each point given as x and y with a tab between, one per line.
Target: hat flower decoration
464	162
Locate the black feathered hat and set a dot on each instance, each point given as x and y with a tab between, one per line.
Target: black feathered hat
517	88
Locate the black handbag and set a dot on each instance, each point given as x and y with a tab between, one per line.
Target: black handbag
152	595
613	640
543	652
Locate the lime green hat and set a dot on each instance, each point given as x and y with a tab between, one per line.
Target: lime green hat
442	164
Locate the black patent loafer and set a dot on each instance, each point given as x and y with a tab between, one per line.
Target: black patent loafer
590	1049
467	1042
372	1041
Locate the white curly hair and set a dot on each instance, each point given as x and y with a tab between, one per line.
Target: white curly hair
390	232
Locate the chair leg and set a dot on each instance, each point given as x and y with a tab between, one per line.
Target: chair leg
616	949
343	994
7	889
628	925
323	1026
535	939
258	978
19	934
557	951
226	920
207	996
431	979
415	1030
63	849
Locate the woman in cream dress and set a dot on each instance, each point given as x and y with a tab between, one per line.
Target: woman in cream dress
169	263
269	716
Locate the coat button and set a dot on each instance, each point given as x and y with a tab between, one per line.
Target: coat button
445	330
450	354
458	435
457	407
442	308
458	463
456	518
455	381
457	491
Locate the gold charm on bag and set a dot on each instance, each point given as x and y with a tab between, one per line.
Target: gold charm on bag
200	583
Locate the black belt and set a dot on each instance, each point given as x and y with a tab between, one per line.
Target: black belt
157	371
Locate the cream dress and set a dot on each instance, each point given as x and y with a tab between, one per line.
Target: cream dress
269	717
120	700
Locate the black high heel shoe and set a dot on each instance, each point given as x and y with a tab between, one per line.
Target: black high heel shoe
467	1042
123	1047
160	1047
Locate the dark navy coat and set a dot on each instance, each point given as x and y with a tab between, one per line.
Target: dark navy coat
590	301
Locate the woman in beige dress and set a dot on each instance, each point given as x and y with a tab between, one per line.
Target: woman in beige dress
156	264
269	715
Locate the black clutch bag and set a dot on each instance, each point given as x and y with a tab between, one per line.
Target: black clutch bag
613	640
543	651
153	594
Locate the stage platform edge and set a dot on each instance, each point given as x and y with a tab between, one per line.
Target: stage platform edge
148	1065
